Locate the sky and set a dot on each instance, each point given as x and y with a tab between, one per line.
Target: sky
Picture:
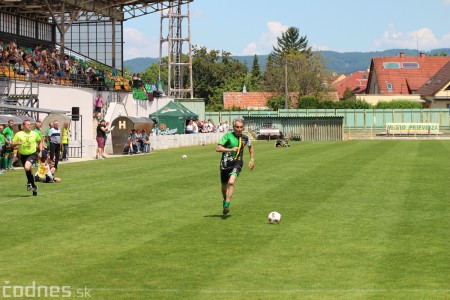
249	27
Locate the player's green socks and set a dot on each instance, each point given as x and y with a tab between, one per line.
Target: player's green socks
226	204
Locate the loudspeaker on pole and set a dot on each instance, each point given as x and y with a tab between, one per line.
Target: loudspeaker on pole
75	113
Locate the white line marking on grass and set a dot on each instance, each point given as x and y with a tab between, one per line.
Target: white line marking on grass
127	290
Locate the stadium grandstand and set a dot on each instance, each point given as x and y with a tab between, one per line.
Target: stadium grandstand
59	55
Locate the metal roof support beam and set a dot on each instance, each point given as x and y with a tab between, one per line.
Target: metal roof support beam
97	7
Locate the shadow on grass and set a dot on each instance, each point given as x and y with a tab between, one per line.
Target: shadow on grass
223	217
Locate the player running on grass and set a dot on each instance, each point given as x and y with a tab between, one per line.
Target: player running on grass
232	147
28	141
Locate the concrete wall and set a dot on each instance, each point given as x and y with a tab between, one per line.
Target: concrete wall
374	99
120	104
183	140
64	98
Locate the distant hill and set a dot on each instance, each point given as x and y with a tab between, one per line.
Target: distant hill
140	64
338	62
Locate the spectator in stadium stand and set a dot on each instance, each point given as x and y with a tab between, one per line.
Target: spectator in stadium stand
226	126
55	143
210	126
114	73
189	127
155	130
194	127
66	64
101	76
220	127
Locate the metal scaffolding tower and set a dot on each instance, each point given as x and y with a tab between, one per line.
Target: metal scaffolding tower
174	20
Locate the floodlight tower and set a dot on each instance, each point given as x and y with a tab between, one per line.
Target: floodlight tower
175	21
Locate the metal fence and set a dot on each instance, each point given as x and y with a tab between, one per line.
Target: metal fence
352	118
304	128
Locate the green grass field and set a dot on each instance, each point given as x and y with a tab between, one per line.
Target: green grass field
360	220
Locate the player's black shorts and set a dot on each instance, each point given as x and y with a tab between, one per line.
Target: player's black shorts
8	149
32	158
225	173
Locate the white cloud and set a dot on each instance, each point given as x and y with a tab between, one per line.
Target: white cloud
267	39
196	13
137	44
446	2
250	49
423	38
319	47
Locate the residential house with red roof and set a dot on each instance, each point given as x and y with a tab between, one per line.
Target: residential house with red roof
401	77
436	91
356	82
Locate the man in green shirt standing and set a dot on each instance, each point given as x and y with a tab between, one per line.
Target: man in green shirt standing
9	151
28	142
37	129
2	148
232	147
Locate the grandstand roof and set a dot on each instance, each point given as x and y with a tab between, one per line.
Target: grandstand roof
45	10
34	109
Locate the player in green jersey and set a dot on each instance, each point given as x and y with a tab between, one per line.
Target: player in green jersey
28	142
2	147
232	147
9	151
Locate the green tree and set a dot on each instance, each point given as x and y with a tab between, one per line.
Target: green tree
275	103
215	72
151	74
352	104
291	42
347	93
293	66
308	102
308	75
289	45
256	71
254	78
398	104
273	77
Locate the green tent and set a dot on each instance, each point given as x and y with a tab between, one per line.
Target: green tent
171	119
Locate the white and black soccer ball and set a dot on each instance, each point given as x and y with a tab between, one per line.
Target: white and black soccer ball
184	156
274	217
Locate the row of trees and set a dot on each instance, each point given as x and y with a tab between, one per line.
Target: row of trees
310	102
291	68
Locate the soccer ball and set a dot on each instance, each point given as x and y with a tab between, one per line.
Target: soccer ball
274	217
184	156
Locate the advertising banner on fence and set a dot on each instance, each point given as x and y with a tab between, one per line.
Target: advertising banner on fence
412	128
